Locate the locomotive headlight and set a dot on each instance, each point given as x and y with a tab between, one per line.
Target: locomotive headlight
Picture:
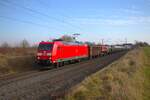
48	54
39	54
38	57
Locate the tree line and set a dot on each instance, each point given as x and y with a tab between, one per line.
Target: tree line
23	44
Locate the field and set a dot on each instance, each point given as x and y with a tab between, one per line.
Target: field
15	60
147	74
125	79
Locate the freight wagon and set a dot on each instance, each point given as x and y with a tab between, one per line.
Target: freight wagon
104	49
94	51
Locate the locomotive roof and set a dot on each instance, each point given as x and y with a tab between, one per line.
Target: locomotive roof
63	42
71	43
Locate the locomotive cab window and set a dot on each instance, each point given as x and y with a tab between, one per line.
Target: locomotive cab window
45	47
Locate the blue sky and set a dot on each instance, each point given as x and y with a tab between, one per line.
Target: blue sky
111	20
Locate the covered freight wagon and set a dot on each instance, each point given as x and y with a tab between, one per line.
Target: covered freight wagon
94	51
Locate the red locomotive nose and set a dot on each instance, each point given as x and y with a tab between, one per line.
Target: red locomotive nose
44	51
44	55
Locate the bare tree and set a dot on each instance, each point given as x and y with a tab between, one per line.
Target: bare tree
24	44
139	43
5	45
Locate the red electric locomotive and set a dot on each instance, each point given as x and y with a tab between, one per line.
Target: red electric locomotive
57	52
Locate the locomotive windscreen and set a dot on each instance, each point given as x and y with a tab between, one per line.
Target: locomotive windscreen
45	47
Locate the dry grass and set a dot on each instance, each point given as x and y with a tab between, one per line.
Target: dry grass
3	65
146	72
14	60
17	51
122	80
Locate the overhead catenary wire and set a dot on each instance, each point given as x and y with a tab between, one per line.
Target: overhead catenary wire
60	13
39	13
47	7
25	21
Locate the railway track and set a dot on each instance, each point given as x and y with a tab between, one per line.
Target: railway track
51	84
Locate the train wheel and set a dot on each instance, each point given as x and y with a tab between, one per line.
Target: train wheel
79	60
63	63
58	64
69	61
55	65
